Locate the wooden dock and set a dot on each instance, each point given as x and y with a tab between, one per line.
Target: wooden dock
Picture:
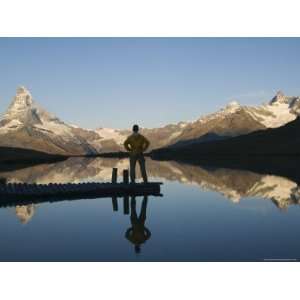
12	194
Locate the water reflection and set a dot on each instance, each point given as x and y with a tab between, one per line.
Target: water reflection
138	233
25	212
235	185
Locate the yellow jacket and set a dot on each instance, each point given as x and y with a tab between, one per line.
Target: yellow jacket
136	143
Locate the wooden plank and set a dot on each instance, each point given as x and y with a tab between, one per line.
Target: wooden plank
114	175
115	203
126	205
22	194
125	176
14	199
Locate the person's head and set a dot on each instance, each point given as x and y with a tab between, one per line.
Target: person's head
135	128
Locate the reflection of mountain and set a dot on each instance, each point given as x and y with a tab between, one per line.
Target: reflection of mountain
72	170
233	184
237	184
25	212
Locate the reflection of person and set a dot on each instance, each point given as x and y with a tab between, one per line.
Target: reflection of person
136	144
138	233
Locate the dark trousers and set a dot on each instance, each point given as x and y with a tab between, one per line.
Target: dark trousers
141	159
143	214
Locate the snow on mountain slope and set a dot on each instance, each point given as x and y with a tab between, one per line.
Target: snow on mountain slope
235	119
158	137
280	111
276	188
272	116
230	121
23	111
231	108
118	136
27	125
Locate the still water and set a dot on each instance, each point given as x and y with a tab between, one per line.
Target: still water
203	215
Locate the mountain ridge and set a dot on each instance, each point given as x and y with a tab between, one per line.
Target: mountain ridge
27	125
282	140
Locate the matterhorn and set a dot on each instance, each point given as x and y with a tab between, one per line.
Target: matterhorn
27	125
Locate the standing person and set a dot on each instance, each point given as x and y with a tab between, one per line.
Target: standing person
136	144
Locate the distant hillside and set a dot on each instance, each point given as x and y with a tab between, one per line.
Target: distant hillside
208	137
284	140
8	154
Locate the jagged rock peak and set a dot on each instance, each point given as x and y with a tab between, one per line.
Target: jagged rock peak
23	93
22	99
24	110
279	98
22	90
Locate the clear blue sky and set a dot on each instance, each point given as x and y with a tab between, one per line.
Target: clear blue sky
114	82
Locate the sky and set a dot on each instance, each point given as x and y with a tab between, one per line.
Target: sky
115	82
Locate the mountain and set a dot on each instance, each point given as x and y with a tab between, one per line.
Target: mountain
231	121
283	140
112	139
159	137
27	125
235	120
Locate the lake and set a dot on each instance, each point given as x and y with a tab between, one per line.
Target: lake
204	214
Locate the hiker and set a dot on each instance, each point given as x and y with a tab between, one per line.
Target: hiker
138	233
136	144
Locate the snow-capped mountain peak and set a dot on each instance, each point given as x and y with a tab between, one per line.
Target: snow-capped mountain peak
23	97
279	111
232	104
27	125
279	98
21	102
229	109
232	107
24	111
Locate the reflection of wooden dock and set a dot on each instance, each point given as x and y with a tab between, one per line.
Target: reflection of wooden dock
21	193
